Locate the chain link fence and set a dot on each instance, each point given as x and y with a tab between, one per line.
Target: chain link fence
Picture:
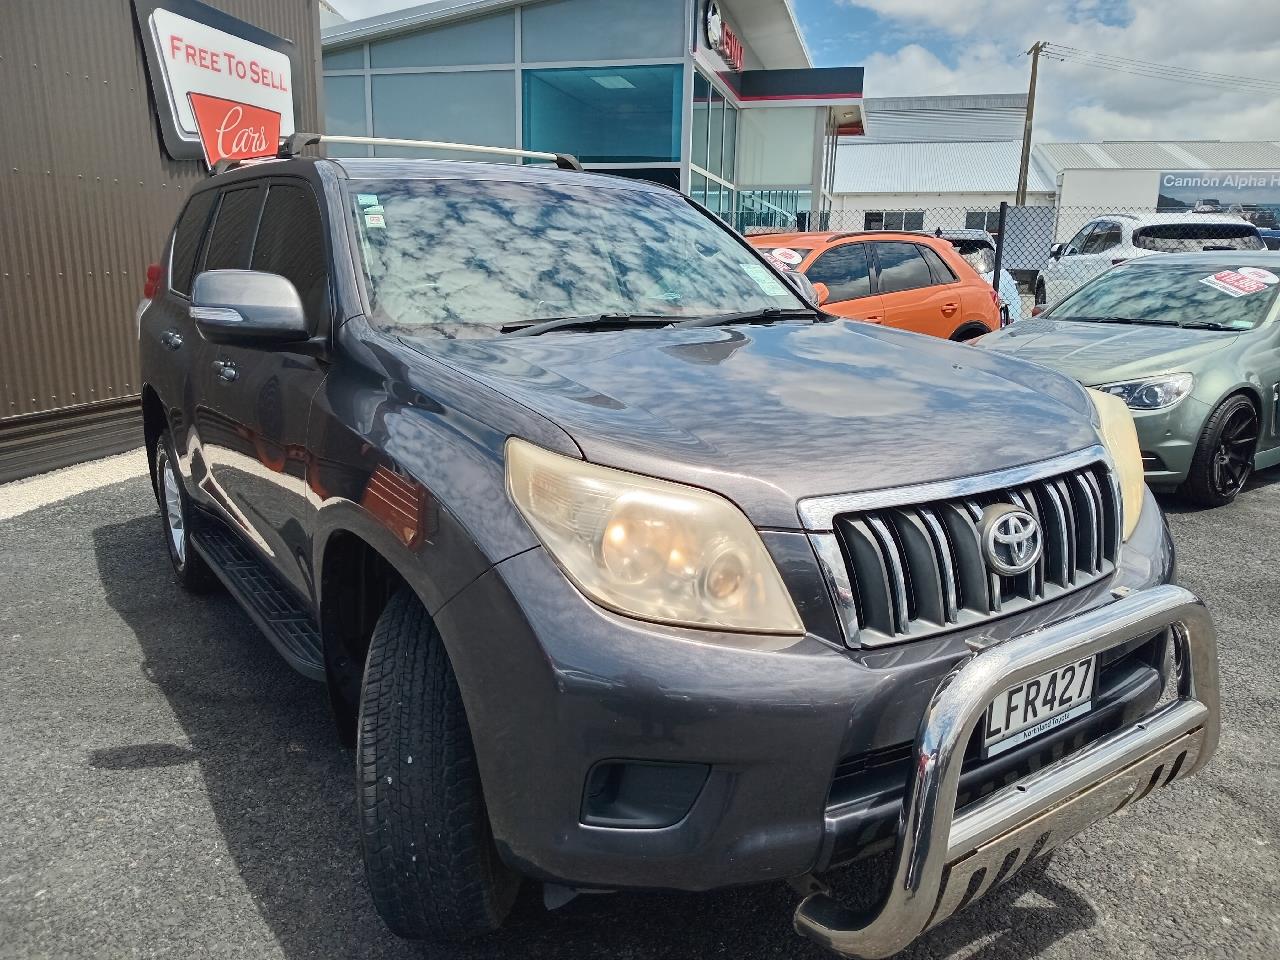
1044	252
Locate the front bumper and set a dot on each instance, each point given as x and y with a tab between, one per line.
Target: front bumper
1168	440
554	686
945	860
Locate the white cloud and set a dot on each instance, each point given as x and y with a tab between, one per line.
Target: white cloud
983	46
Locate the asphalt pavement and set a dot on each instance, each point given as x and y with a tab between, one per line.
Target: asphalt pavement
169	788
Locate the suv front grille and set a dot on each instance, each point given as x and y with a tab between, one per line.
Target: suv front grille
913	570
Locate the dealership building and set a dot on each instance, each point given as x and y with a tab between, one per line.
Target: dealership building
718	98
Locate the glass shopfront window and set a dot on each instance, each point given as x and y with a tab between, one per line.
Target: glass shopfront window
605	114
714	143
399	109
602	30
485	41
344	113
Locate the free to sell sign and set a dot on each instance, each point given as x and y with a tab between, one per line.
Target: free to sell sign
196	54
234	131
1236	283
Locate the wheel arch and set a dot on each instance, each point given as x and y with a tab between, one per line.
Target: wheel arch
970	329
154	422
359	565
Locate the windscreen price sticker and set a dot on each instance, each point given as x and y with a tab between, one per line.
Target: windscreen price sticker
1234	284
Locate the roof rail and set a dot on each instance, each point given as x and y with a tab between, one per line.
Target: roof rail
291	146
862	233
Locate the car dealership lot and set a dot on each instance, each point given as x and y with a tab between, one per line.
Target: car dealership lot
171	788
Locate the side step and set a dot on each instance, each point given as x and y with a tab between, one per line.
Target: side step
270	604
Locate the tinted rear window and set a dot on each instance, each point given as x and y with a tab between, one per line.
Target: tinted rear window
186	240
233	230
941	272
1193	237
902	267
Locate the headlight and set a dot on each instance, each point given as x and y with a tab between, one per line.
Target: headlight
1121	439
650	548
1154	393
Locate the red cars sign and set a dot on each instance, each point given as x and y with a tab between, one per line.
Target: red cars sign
198	54
230	130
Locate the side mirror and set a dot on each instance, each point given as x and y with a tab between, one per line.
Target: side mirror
248	306
803	286
1057	250
823	292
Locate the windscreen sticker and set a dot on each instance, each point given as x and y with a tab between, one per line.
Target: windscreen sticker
1257	273
375	221
1233	283
367	199
766	281
787	255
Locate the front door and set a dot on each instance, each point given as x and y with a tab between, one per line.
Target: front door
258	399
846	271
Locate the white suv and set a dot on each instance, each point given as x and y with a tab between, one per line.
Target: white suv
1116	237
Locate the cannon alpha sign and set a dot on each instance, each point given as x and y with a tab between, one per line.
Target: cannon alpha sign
197	56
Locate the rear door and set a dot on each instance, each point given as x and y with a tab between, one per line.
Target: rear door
260	397
913	300
846	270
169	338
213	434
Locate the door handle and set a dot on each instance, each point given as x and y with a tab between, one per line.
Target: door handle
950	308
226	370
874	318
171	339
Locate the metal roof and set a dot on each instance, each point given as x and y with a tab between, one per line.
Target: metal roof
1160	155
934	167
978	117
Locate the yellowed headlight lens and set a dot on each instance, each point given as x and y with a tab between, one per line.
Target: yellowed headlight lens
650	548
1121	439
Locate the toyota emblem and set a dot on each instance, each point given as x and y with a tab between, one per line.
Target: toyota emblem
1011	540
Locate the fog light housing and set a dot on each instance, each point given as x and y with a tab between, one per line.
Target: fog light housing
640	794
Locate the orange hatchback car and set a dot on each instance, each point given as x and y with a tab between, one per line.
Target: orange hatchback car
914	281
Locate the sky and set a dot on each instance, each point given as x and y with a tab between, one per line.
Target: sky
921	47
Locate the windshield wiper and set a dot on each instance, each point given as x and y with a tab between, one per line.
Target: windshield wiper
532	328
766	315
1205	325
1145	321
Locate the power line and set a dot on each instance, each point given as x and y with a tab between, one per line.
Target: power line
1159	71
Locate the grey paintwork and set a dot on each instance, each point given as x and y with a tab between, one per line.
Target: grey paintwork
552	683
1223	363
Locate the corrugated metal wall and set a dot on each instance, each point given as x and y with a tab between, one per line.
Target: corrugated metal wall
87	195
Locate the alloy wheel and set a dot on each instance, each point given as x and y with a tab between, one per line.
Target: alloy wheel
1233	456
174	520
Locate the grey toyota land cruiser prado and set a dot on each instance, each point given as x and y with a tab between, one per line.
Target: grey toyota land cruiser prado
627	567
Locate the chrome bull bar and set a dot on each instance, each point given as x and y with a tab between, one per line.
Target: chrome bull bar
945	861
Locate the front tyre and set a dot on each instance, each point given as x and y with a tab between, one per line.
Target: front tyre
175	517
429	855
1224	456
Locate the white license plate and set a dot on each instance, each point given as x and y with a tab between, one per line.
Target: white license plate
1033	708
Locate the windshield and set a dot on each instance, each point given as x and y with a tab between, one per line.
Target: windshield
1194	237
459	258
979	255
1215	294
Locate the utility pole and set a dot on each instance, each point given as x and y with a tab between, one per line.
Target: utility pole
1020	198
